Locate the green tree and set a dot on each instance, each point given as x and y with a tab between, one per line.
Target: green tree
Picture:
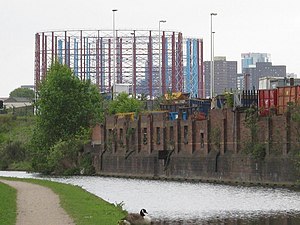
23	93
123	104
66	107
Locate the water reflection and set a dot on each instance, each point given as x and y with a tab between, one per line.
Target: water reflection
172	203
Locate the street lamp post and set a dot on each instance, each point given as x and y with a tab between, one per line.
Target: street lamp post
213	60
114	51
159	63
212	82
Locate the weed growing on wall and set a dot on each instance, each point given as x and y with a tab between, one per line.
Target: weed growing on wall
216	138
253	147
295	117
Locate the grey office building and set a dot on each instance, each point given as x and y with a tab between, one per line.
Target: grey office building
225	73
262	69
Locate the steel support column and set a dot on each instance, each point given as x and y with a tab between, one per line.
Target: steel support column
52	47
109	64
163	71
66	42
134	64
180	63
45	58
97	62
37	62
202	93
174	89
150	74
102	71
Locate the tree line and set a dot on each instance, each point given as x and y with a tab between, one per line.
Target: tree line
66	110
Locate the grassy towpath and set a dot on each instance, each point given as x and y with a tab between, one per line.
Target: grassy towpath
84	207
8	206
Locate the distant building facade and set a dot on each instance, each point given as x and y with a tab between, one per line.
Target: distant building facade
274	82
225	75
249	60
262	69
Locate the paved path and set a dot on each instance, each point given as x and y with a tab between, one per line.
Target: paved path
38	205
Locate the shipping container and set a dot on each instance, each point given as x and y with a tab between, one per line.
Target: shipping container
202	105
267	101
287	95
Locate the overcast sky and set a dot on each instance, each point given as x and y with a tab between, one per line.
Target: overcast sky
241	26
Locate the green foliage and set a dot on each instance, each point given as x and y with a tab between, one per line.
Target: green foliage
8	206
229	99
15	133
67	158
65	107
295	117
253	147
215	138
251	122
256	150
22	93
123	104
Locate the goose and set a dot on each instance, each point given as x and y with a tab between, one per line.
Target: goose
136	219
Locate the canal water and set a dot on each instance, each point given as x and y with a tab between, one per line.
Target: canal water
183	203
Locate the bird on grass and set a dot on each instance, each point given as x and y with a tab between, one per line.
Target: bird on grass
141	218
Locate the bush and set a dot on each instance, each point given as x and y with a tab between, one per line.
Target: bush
67	158
256	150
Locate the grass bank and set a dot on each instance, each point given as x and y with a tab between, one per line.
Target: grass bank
8	205
84	207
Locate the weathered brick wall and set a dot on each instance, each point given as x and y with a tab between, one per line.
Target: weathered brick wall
207	149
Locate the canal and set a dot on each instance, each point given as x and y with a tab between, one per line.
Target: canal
183	203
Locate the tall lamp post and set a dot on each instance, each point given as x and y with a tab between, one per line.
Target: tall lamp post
159	63
213	61
114	58
212	76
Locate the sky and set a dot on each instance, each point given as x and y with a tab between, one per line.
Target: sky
241	26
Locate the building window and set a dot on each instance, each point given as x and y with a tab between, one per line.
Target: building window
172	134
132	136
185	135
158	135
202	139
121	136
145	136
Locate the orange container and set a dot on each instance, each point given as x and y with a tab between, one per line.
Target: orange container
287	95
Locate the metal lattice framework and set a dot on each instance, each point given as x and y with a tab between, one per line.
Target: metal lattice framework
135	60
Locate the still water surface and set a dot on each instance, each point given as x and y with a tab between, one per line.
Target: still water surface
191	203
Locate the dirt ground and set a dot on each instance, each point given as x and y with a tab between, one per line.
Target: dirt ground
38	205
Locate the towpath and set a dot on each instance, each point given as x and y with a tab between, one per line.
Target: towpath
38	205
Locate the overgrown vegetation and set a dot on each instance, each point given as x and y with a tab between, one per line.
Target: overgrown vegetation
295	118
229	97
256	149
124	104
15	135
215	138
52	141
66	110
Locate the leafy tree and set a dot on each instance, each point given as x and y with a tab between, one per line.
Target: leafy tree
22	92
66	107
123	103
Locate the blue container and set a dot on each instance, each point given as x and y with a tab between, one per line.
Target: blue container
173	115
203	105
